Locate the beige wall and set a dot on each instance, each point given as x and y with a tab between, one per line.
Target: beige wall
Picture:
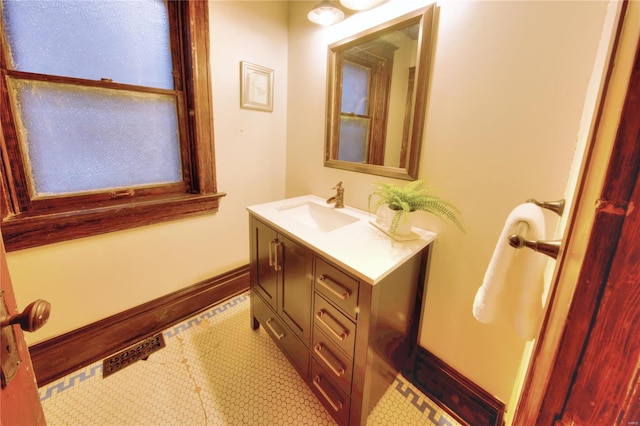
507	90
91	278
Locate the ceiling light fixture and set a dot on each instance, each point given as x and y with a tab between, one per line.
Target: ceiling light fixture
325	14
360	4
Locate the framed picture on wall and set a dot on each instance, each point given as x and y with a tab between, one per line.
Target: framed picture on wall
256	87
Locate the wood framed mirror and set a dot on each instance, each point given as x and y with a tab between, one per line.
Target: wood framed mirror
377	84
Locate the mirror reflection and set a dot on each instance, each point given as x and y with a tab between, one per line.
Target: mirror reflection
377	85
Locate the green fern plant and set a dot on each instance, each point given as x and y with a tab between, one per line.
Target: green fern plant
412	197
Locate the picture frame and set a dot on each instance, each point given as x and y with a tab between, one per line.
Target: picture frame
256	87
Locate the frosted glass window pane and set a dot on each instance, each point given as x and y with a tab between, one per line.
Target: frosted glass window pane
354	133
355	89
126	41
82	139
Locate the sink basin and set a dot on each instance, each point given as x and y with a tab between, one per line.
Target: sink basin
318	217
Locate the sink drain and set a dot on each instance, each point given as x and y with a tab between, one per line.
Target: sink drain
140	350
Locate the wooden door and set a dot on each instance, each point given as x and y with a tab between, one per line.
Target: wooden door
19	401
595	375
602	360
605	388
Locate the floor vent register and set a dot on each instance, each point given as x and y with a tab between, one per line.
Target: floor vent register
140	350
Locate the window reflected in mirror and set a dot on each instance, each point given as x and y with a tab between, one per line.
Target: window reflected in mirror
377	86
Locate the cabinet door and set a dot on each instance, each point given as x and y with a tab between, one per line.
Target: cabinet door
296	287
265	277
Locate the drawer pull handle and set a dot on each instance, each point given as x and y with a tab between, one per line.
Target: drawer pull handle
329	284
271	243
276	263
340	335
337	371
337	406
274	246
279	336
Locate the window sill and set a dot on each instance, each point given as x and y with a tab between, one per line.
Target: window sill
33	230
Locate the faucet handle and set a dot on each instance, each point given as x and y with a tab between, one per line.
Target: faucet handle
339	197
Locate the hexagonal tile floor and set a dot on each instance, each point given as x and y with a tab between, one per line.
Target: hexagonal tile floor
215	370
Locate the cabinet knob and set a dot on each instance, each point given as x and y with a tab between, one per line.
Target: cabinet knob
34	316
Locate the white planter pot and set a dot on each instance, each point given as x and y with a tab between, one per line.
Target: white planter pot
384	216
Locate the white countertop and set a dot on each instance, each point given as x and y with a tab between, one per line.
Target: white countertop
359	247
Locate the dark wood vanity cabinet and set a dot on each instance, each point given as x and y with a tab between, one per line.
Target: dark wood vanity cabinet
347	338
281	274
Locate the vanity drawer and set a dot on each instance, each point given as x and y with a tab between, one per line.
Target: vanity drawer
337	287
339	329
337	365
293	348
331	396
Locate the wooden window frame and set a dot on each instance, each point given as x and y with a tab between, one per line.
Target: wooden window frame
29	221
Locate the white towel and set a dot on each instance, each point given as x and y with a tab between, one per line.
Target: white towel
524	269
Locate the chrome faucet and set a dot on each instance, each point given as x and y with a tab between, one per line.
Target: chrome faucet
338	199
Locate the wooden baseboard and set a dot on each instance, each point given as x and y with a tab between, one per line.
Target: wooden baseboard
59	356
456	394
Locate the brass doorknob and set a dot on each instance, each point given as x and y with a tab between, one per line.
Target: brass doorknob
34	316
